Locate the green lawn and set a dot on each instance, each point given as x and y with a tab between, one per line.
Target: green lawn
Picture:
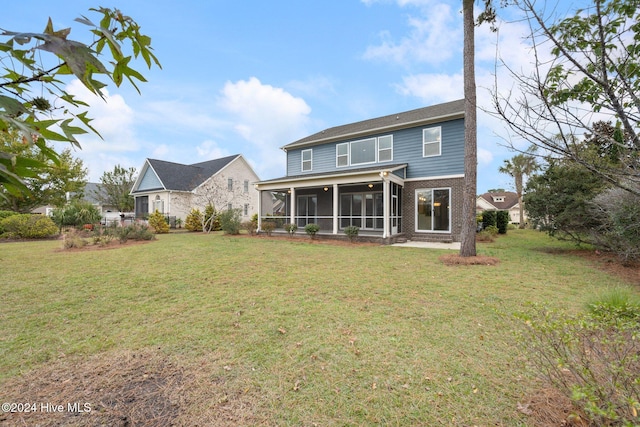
294	333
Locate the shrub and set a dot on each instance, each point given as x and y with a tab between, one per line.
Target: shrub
211	219
76	214
502	221
250	226
28	226
268	227
230	221
254	221
492	230
73	239
194	220
619	301
312	229
158	223
485	236
3	215
618	214
134	232
351	232
291	228
489	218
592	358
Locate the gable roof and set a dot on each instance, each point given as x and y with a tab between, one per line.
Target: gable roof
421	116
179	177
510	199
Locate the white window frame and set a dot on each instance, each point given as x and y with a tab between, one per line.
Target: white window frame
415	213
338	155
309	160
375	151
426	142
390	149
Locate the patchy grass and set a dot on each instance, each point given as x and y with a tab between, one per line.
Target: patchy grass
221	330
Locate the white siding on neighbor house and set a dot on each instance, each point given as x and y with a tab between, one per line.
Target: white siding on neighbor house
407	148
149	181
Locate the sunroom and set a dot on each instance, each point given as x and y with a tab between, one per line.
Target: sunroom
368	198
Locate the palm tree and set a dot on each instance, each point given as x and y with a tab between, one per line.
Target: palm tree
518	167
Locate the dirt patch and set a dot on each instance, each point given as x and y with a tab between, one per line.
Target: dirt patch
111	245
143	388
629	271
547	407
456	259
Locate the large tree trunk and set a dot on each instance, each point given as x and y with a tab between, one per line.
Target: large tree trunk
468	233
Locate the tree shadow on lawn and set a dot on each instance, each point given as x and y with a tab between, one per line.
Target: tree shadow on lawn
127	388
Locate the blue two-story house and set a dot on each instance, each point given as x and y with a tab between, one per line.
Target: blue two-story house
397	176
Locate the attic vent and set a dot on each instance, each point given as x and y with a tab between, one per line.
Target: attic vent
498	199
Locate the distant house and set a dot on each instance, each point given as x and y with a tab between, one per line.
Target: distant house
500	201
397	176
90	194
174	189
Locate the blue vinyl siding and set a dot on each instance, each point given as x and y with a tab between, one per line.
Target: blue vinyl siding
407	148
149	181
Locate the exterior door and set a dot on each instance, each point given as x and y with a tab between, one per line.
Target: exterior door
394	214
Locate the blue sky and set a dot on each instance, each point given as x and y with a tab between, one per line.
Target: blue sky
251	76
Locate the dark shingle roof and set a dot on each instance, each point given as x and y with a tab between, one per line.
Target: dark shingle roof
510	199
179	177
392	121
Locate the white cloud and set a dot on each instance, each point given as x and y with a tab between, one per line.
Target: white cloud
112	118
432	88
267	117
209	150
429	40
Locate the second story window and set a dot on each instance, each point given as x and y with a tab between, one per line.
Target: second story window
246	185
230	184
385	148
307	159
363	151
431	142
342	154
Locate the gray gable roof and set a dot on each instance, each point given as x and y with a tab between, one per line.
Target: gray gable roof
432	114
179	177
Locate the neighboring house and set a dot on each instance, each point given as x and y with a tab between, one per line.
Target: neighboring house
89	194
174	189
397	176
500	201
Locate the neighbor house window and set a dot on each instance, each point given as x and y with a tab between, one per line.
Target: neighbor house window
431	142
230	184
433	209
230	206
246	209
385	148
246	185
363	151
307	159
342	154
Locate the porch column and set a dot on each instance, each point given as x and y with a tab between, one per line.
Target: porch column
335	208
386	210
260	209
292	190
